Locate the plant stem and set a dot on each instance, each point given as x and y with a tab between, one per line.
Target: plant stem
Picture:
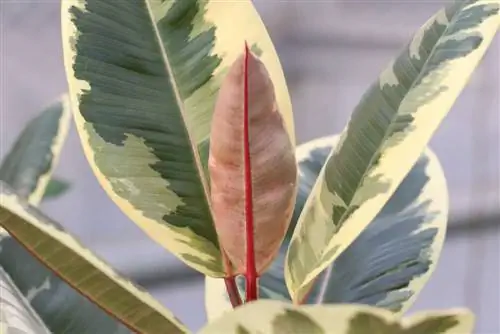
232	291
251	288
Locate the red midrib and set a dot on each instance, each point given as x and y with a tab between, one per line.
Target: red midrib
251	272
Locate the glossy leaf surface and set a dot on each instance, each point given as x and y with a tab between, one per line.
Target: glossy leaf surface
82	270
390	261
273	317
387	132
60	307
252	167
29	164
143	78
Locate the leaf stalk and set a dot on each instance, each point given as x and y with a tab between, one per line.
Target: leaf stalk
232	291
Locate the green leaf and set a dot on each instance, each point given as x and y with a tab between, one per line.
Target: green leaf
16	315
274	317
62	308
390	261
143	77
388	131
55	188
82	270
28	166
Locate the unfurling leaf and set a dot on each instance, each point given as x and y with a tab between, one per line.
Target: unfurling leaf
252	167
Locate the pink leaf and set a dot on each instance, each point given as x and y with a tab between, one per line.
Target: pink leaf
252	168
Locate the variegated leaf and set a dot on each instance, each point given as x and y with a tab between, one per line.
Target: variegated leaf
16	314
390	261
28	166
143	76
274	317
386	134
61	308
82	270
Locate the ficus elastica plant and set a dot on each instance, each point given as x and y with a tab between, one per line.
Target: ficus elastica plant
184	116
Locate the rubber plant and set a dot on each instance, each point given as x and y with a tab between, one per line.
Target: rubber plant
184	116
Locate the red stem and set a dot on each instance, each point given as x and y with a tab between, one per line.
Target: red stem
306	296
251	271
232	291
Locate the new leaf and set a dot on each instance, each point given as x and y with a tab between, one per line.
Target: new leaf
143	77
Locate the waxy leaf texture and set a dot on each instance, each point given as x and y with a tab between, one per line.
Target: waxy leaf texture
250	154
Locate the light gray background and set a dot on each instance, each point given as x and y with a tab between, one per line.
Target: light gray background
331	52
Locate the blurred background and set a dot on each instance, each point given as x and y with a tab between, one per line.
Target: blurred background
331	52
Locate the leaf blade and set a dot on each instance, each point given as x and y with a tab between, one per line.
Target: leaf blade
386	134
55	188
63	254
375	269
60	307
252	168
266	316
133	114
16	315
28	166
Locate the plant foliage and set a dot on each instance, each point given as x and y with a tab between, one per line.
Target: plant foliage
190	132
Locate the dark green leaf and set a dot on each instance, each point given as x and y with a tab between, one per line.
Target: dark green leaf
55	188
